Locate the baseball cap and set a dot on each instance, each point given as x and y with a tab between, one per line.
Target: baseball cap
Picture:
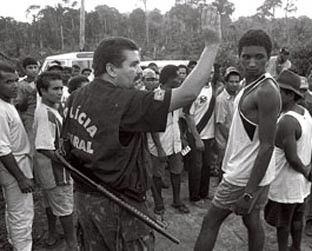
230	70
149	73
290	81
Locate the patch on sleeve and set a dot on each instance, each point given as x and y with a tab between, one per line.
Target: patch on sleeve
159	94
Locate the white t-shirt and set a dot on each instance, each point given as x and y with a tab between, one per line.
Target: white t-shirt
13	138
170	139
290	186
199	108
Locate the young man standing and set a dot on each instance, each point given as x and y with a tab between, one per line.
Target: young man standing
165	149
248	164
26	100
199	118
105	124
55	181
15	165
290	188
279	63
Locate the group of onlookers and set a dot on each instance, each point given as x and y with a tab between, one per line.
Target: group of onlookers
222	127
31	120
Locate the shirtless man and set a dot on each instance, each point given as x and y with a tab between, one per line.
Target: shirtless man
248	164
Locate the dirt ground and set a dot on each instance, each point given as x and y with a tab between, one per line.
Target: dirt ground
185	227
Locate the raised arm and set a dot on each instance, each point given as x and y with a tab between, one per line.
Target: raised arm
195	81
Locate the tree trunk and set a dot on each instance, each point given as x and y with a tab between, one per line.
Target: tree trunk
62	38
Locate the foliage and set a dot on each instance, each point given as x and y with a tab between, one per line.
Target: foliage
173	35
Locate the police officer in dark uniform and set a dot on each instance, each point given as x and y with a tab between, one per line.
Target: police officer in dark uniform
105	123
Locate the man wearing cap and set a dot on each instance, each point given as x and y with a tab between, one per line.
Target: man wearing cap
224	109
279	63
149	79
291	186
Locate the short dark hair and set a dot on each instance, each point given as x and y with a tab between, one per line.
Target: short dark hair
152	64
192	63
75	82
29	61
6	68
255	38
43	80
110	50
182	66
76	66
85	69
167	73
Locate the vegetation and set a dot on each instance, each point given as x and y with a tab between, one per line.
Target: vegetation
173	35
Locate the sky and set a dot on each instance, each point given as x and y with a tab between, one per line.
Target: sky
17	8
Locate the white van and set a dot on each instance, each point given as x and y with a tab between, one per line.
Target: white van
83	59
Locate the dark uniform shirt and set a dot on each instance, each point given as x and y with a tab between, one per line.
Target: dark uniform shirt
106	127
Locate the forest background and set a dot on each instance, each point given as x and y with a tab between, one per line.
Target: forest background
175	34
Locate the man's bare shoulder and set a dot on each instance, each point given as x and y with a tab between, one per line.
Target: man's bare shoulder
269	91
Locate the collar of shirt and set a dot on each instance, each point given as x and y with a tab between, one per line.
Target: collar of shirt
227	95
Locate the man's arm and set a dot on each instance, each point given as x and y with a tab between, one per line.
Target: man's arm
268	102
160	151
189	118
196	80
220	117
286	133
50	154
24	183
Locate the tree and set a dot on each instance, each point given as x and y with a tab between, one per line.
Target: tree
289	8
268	8
225	9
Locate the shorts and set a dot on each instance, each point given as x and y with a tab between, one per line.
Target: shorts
60	199
281	214
227	194
174	162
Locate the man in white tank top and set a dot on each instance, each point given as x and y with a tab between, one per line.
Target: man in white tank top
291	186
247	164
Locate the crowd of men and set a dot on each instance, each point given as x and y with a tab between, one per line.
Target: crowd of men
128	125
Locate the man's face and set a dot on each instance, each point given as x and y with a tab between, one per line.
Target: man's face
232	84
86	73
129	71
285	97
32	70
150	82
182	73
53	94
253	60
284	56
173	83
8	86
75	71
66	74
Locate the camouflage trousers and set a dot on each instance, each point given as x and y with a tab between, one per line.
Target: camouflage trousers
106	226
